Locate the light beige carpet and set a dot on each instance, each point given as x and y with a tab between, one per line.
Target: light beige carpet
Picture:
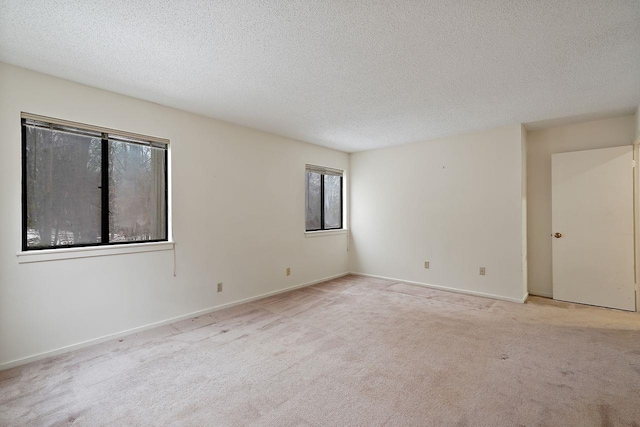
352	351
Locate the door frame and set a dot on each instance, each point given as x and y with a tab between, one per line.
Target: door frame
636	216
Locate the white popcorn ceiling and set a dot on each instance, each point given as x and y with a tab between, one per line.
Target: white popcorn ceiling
350	75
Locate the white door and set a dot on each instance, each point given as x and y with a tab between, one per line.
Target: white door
592	215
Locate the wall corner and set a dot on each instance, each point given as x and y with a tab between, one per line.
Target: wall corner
523	193
637	136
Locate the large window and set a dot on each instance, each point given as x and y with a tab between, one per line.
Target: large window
324	198
87	186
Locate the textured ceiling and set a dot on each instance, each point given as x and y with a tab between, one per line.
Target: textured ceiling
350	75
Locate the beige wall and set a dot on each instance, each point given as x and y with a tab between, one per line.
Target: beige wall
637	115
456	202
541	144
238	218
525	219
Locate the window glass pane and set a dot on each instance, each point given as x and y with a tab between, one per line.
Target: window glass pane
332	201
314	202
137	209
63	188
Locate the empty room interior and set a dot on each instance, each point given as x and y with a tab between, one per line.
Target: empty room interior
327	213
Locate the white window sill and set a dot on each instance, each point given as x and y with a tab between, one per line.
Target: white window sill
324	232
91	251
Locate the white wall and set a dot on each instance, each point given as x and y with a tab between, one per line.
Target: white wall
456	202
238	217
541	144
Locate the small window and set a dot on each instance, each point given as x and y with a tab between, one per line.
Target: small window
324	198
87	186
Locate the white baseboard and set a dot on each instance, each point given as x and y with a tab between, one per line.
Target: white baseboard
446	288
68	348
541	294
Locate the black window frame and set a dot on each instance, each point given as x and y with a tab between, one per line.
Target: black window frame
104	188
319	170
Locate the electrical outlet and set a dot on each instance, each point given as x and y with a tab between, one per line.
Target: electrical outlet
482	271
288	271
220	287
426	264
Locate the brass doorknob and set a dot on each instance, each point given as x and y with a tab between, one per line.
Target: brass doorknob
557	235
